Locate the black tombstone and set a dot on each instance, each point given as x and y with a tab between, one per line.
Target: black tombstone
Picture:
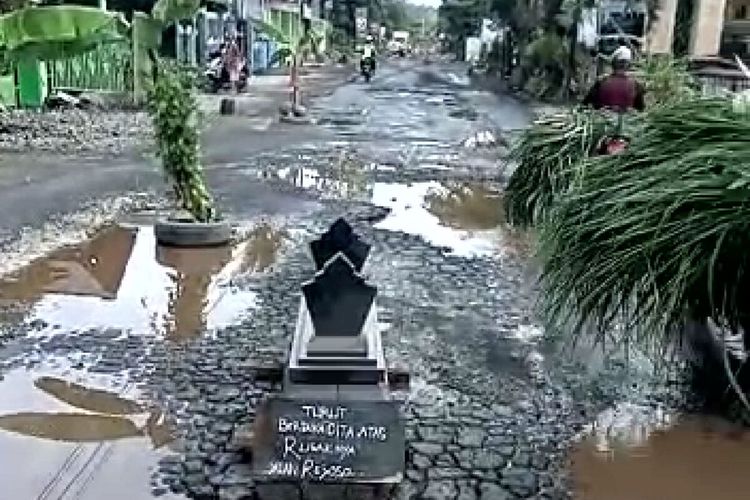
340	237
338	299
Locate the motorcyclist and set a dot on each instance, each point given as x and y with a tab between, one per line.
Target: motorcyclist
368	53
618	90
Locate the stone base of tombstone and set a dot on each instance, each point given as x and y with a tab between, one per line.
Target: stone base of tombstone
399	378
334	432
345	492
308	491
336	360
277	491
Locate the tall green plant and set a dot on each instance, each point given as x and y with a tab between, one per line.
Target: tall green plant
667	80
294	48
174	112
657	232
549	156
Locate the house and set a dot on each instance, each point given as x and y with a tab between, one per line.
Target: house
719	28
735	38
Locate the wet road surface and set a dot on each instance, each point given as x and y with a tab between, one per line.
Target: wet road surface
115	351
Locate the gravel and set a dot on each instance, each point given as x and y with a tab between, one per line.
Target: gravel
73	131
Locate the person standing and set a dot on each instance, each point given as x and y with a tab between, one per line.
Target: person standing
233	62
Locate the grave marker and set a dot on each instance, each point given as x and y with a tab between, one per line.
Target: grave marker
335	422
329	441
340	237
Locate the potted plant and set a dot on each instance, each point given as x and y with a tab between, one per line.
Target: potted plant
174	112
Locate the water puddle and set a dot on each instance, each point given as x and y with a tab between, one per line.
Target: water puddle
694	458
344	181
121	279
467	218
66	432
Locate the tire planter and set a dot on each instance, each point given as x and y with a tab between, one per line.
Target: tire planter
203	260
296	120
185	233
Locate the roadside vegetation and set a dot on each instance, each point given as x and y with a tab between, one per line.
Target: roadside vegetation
542	35
637	246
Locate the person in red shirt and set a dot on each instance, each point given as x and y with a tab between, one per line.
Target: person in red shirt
618	91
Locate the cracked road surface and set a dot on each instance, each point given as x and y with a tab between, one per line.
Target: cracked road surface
123	365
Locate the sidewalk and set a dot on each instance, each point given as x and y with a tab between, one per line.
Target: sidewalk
265	93
255	126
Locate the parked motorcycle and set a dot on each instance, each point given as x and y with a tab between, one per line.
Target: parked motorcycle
217	75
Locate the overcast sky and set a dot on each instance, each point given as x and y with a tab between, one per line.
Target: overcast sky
431	3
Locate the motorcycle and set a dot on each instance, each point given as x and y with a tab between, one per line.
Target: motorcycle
367	68
616	142
613	145
217	75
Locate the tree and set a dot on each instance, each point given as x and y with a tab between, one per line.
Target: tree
9	5
395	16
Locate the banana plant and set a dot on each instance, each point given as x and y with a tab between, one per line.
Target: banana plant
147	30
293	49
56	32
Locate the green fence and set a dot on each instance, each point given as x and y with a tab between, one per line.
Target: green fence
108	68
8	91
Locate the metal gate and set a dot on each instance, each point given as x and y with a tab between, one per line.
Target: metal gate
107	68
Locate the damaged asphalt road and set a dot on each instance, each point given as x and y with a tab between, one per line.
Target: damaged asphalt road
164	349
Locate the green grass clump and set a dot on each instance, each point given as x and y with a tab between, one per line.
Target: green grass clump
658	233
548	156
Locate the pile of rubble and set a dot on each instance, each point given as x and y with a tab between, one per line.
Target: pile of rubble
69	127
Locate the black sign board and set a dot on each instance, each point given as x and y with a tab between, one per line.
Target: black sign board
329	441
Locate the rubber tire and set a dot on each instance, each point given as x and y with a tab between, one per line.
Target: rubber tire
187	234
296	120
228	106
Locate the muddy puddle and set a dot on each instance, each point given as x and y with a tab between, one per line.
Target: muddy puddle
120	279
68	434
465	218
687	458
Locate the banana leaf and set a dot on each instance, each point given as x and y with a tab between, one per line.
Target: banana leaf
147	31
57	32
272	31
169	11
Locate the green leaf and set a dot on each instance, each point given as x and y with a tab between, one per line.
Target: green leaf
272	31
171	11
59	31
